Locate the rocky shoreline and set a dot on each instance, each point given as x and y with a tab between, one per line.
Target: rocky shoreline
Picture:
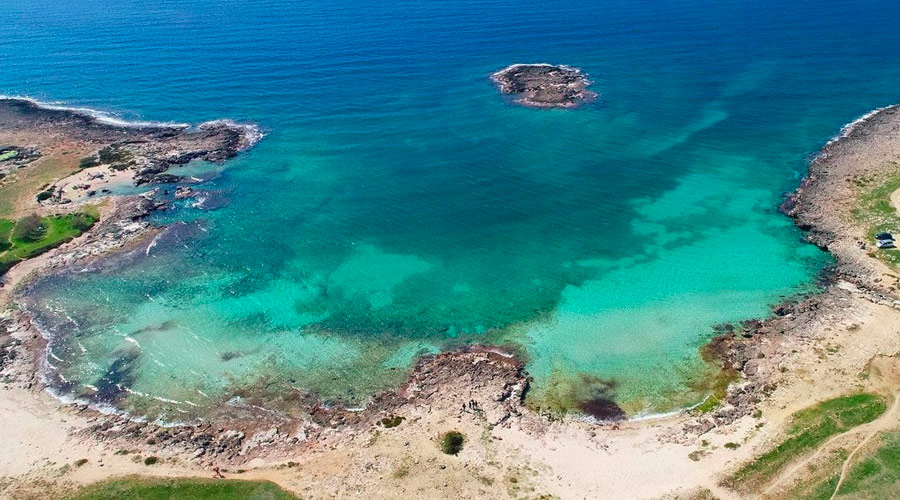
137	154
237	429
822	206
141	153
495	381
544	85
240	430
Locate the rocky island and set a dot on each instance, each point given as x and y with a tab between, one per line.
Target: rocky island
544	85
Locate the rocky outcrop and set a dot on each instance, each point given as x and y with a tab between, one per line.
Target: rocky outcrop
544	85
147	149
476	379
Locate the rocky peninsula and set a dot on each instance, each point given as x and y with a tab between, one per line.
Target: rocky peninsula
544	85
59	166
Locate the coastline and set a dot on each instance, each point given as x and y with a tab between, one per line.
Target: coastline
139	207
499	382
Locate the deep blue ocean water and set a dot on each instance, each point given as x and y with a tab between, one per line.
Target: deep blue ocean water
399	205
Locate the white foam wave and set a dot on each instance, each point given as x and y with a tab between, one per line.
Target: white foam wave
848	129
199	202
644	416
520	65
100	116
152	244
250	132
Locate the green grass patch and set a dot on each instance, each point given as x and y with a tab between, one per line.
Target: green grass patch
8	155
816	477
876	476
6	227
31	236
808	429
134	488
877	214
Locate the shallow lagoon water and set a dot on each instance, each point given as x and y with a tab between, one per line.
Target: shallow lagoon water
399	205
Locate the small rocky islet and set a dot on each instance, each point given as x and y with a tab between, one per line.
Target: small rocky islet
544	85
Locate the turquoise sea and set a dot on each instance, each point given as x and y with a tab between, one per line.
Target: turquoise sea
398	205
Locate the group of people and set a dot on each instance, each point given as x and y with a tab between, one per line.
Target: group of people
471	405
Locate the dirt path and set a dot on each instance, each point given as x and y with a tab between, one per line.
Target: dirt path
886	375
895	200
846	467
887	421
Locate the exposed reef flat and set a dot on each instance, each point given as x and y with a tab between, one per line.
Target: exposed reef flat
544	85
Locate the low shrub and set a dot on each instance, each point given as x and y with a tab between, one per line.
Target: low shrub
452	442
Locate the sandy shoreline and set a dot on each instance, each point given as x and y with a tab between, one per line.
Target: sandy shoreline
782	364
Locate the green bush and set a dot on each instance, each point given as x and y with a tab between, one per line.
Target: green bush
114	156
29	229
88	161
452	442
392	421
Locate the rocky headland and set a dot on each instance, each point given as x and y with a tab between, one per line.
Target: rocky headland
132	153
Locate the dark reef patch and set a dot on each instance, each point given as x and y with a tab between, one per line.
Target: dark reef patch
111	387
165	326
592	395
229	355
603	408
